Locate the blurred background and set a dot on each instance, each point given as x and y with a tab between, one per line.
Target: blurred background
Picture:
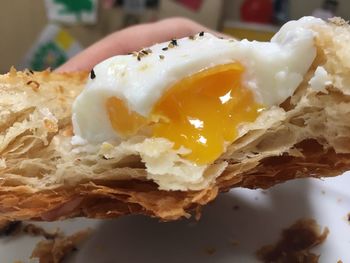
38	34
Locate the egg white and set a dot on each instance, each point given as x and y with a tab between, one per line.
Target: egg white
273	71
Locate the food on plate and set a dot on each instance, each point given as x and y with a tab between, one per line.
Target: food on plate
295	243
192	102
56	249
163	130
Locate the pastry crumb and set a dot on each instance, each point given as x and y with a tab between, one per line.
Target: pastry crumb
210	250
9	228
55	250
198	213
295	243
15	228
34	230
338	21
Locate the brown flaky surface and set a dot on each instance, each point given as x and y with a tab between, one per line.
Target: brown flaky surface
42	178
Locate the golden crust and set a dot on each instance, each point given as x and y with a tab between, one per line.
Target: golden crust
41	179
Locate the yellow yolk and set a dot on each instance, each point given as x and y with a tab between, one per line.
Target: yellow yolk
124	121
201	112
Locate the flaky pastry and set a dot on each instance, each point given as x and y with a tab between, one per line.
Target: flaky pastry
42	177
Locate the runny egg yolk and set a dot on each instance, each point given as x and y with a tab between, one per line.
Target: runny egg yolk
201	112
124	121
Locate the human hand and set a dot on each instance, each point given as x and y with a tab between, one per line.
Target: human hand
132	39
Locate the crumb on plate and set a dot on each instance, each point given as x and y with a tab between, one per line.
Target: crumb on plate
295	243
14	228
210	250
34	230
9	228
55	250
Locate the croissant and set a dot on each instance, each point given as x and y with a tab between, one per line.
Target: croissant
44	177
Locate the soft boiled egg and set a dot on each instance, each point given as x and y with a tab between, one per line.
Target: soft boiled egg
195	92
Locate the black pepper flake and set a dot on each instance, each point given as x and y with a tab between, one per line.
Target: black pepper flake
31	71
161	56
141	54
201	34
174	42
92	74
34	85
164	48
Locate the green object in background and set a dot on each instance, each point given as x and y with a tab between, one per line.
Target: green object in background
72	11
53	47
47	55
76	7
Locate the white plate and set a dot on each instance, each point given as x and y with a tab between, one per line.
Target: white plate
258	221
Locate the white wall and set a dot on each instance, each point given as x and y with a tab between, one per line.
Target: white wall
298	8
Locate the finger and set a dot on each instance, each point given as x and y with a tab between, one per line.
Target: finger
132	39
